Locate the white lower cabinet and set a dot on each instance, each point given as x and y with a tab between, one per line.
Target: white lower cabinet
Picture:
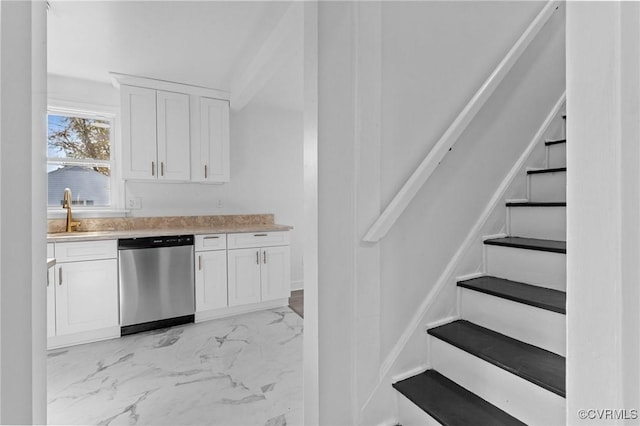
234	273
211	280
51	295
275	273
51	303
86	296
82	293
244	276
211	276
258	273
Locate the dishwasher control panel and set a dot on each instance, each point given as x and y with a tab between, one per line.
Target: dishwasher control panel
150	242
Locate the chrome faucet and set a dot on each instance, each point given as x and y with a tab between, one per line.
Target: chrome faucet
67	205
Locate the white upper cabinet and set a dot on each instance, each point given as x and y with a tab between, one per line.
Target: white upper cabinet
155	134
173	135
210	144
173	131
139	146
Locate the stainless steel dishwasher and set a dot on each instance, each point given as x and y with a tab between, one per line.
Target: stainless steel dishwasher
156	282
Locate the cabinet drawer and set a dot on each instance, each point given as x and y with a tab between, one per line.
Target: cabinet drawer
211	242
258	239
86	250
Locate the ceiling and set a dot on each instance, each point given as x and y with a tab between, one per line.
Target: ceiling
203	43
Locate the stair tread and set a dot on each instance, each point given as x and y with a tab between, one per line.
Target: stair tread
553	170
532	363
555	142
539	297
554	246
450	403
537	204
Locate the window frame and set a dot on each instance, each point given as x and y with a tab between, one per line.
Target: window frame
116	184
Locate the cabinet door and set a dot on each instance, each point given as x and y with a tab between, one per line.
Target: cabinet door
276	273
174	142
86	296
244	276
51	303
139	158
213	141
51	295
211	280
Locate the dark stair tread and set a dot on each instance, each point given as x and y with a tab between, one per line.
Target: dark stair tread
555	142
554	170
537	204
450	403
532	363
553	246
539	297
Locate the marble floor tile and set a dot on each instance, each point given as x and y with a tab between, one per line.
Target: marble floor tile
243	370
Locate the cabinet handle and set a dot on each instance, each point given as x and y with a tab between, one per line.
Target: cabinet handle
60	276
153	168
199	263
264	257
257	258
205	171
214	237
259	235
162	168
47	278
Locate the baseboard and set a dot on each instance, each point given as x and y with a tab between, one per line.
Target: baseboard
468	276
297	285
237	310
55	342
441	321
491	237
410	373
389	422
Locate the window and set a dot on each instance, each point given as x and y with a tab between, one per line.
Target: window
79	158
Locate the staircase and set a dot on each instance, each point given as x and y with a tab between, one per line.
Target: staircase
503	362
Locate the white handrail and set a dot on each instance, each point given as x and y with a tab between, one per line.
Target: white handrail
411	187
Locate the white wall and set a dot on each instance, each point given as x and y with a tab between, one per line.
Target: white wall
603	206
61	88
22	218
311	324
38	209
266	163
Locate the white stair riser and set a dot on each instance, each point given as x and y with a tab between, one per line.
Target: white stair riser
518	397
538	222
557	155
539	327
541	268
412	415
548	186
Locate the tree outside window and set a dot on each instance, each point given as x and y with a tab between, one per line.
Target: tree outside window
79	158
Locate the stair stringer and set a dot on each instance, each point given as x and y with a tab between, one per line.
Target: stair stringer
410	352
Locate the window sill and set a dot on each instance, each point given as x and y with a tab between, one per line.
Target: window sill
87	213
